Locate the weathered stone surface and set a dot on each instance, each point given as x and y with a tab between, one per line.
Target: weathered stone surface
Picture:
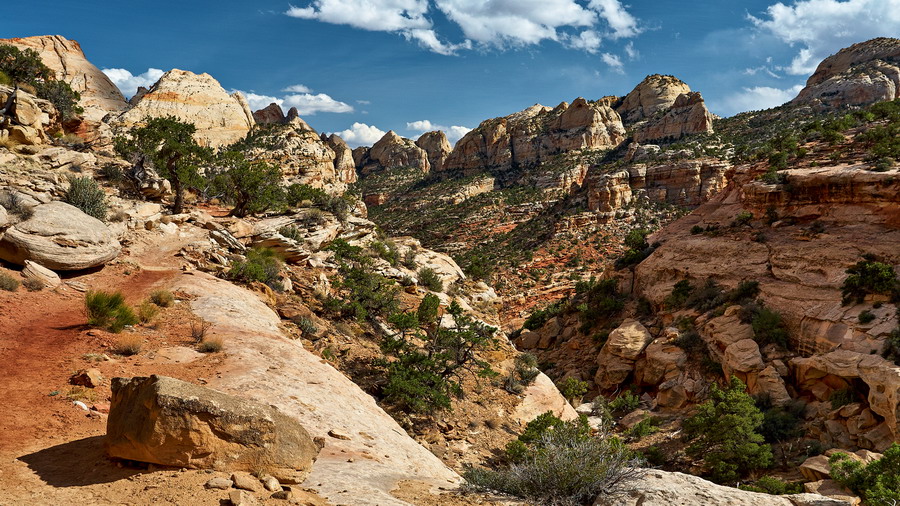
271	114
527	138
688	115
655	93
661	360
861	74
437	147
220	118
219	483
344	165
41	274
743	356
816	468
391	152
829	488
628	340
171	422
27	116
99	96
59	237
661	488
542	396
90	378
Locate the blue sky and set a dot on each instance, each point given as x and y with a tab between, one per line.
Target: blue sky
362	67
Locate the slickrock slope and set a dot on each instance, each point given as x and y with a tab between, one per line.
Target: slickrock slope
391	152
99	96
528	138
220	118
264	365
861	74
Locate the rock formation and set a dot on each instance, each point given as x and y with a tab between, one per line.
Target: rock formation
343	158
655	93
60	237
170	422
535	135
391	152
27	117
99	96
688	115
861	74
220	118
271	114
437	147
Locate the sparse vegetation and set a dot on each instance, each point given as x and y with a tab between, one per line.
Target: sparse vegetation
162	298
85	194
430	279
128	345
147	312
261	264
8	283
25	67
211	344
252	187
525	370
108	310
870	277
877	483
31	284
573	389
199	329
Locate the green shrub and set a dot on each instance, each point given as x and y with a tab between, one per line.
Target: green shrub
866	317
768	327
638	249
743	218
430	279
112	173
774	486
291	232
251	186
696	229
781	423
892	346
724	434
655	456
573	389
8	283
387	251
840	398
869	277
147	311
679	296
85	194
565	466
261	264
525	370
877	483
306	326
644	428
625	403
62	96
539	317
365	294
108	310
162	298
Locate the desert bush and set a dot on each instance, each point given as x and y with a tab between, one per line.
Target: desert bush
108	310
162	298
147	311
724	434
430	279
291	232
539	317
877	483
128	345
32	284
8	283
564	466
743	218
212	344
768	327
774	486
15	204
112	173
199	329
525	370
387	251
261	264
866	317
573	389
306	326
251	186
625	403
840	398
644	428
869	277
655	456
638	249
679	296
781	423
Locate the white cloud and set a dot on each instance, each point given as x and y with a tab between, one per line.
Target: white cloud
453	133
759	97
308	104
820	28
363	102
129	83
500	23
297	88
622	23
258	102
614	62
360	134
633	54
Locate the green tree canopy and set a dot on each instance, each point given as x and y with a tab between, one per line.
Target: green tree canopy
251	186
25	67
168	146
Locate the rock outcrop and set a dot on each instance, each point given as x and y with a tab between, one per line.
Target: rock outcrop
99	96
503	146
59	237
170	422
661	488
270	115
437	147
26	117
344	165
654	94
391	152
220	118
687	116
861	74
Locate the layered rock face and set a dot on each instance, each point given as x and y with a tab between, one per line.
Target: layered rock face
391	151
99	96
26	118
437	147
305	157
220	118
530	137
861	74
664	107
684	183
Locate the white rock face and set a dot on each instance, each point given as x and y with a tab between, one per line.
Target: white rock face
264	365
220	118
59	237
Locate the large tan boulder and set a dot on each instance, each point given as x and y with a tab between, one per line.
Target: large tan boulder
59	237
170	422
861	74
99	96
661	488
220	118
655	93
628	340
743	356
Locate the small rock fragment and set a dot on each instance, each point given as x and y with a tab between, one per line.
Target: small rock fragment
241	498
246	482
90	378
271	484
338	434
219	482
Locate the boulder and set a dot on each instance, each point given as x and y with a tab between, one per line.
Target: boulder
60	237
661	488
41	274
270	115
829	488
688	115
743	356
170	422
628	340
816	468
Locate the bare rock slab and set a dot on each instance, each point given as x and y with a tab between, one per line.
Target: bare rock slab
170	422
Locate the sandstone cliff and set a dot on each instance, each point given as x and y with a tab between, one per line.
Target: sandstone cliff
99	96
664	108
861	74
655	93
528	138
391	152
220	118
437	147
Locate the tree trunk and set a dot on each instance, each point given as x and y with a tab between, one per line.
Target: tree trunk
178	206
